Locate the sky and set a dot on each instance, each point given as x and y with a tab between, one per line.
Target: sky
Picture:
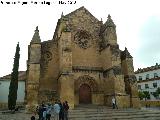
137	25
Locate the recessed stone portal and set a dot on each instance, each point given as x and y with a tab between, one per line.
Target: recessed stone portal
85	94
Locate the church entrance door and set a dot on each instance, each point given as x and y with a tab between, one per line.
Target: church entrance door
84	94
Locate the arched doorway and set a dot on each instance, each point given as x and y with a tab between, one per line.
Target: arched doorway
85	94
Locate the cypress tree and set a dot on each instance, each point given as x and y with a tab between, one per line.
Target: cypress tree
12	97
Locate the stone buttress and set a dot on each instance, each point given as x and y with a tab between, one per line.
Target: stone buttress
65	81
33	71
130	78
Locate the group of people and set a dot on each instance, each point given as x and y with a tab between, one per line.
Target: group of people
59	111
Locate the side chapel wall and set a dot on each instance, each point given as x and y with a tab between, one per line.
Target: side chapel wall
49	71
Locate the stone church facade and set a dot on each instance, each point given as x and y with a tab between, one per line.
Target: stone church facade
82	64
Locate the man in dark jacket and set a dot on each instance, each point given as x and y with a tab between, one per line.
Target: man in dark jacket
66	108
61	113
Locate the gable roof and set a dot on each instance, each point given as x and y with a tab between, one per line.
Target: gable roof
68	16
79	9
21	76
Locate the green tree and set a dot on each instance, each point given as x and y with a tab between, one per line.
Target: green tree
12	97
155	94
158	90
146	95
141	95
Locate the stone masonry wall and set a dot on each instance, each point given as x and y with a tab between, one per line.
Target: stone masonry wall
49	71
82	20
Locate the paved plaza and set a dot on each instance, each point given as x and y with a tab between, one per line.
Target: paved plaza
17	116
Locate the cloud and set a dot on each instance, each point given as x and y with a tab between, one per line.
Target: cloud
149	41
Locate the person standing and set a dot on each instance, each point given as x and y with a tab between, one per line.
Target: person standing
33	118
56	111
40	112
66	108
61	113
48	112
113	102
44	112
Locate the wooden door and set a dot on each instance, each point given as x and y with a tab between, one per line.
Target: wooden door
84	94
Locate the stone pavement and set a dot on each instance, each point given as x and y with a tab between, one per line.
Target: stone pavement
95	113
105	113
17	116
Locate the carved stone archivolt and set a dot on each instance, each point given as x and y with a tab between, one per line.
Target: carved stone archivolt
83	39
86	79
